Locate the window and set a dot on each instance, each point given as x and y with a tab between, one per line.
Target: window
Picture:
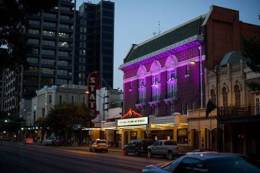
72	99
141	90
43	112
33	31
237	96
63	44
47	61
64	17
62	53
172	84
48	33
64	26
61	81
155	87
33	41
47	71
225	97
257	104
60	99
62	72
34	116
50	15
62	63
50	24
34	22
32	60
82	60
48	43
82	52
213	96
48	52
35	51
50	99
187	70
82	68
63	35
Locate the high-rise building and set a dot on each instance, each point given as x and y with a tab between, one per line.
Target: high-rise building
63	46
50	54
95	42
51	48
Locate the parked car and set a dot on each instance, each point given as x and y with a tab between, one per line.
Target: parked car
205	162
138	147
49	141
99	145
28	140
165	148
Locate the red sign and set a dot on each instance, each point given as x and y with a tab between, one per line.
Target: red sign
93	85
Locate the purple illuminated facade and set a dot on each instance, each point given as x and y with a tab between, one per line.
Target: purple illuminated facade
166	80
165	83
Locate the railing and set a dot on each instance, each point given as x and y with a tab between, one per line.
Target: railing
238	112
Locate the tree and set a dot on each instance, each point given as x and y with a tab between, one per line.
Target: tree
251	51
62	119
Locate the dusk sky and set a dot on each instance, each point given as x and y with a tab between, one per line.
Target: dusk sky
137	20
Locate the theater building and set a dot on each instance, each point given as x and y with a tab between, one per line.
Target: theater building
163	78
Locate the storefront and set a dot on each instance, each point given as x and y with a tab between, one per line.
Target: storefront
132	128
169	128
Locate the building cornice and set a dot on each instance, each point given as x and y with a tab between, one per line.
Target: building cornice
163	69
173	46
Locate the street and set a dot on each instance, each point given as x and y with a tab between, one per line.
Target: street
16	157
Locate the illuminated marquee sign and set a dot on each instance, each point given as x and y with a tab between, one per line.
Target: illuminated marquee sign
132	121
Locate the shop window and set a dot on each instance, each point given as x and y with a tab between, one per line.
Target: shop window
133	135
237	96
182	136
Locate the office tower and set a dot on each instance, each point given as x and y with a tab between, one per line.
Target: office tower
95	35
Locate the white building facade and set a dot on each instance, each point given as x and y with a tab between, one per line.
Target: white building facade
48	97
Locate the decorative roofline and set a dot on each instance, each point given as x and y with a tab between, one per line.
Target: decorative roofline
147	56
170	30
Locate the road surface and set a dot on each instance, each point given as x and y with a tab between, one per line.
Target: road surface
20	158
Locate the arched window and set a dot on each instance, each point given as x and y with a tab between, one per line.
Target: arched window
141	90
237	96
213	96
225	96
171	84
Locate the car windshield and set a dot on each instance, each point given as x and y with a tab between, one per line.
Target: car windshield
170	166
230	165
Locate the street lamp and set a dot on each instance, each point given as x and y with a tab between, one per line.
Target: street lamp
6	121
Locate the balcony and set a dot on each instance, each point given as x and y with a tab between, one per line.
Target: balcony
155	100
239	114
141	103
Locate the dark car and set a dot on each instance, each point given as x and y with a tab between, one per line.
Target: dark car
205	162
138	147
